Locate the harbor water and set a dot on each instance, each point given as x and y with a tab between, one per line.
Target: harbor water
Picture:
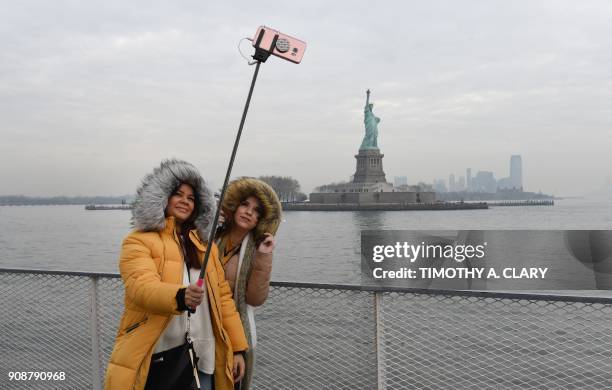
317	247
518	343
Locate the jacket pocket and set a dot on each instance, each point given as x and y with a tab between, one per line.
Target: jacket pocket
136	325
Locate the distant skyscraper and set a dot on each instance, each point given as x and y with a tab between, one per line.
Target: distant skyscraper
452	187
461	184
468	179
439	185
516	172
485	182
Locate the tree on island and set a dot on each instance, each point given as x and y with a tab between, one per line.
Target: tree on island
287	188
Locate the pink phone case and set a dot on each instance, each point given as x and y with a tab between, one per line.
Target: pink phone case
289	48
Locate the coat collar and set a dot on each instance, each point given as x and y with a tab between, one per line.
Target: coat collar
193	235
170	225
170	229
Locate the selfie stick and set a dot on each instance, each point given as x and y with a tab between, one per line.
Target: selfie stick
261	55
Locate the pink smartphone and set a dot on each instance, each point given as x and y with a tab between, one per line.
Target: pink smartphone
286	47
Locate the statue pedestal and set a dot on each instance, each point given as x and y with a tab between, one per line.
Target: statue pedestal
369	167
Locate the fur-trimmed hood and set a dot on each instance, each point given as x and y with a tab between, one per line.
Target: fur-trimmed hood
152	196
242	188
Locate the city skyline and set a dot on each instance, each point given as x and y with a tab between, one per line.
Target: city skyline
95	94
485	181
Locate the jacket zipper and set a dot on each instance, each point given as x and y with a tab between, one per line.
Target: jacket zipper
211	297
212	300
220	326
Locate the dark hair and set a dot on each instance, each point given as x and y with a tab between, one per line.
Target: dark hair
191	252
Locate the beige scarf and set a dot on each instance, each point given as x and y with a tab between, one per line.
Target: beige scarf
247	315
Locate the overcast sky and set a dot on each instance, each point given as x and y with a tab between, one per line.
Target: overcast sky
94	94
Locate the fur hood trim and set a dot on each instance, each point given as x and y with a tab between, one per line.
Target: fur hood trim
152	196
242	188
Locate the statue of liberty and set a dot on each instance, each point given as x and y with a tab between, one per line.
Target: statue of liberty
370	140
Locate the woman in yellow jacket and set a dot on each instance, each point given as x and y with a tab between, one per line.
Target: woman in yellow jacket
159	265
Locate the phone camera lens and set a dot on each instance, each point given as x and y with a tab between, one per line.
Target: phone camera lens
282	45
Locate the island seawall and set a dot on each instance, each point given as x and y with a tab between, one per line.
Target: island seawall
383	206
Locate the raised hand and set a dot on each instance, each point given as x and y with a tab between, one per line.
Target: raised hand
267	245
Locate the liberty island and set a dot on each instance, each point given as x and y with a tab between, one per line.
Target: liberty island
369	189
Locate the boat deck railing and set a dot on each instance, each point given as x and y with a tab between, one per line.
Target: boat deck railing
320	336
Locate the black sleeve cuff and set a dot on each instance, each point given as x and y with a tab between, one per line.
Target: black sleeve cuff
180	300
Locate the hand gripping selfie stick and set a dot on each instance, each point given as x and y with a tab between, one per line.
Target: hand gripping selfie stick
266	42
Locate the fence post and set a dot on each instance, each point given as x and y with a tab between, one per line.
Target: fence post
381	376
95	342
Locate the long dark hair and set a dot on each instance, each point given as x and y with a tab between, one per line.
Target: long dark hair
190	251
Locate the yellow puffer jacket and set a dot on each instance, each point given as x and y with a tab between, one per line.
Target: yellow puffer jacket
151	267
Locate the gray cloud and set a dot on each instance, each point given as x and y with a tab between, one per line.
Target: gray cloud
94	94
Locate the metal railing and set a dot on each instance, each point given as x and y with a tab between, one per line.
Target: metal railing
314	336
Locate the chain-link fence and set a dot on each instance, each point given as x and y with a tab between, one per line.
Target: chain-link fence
329	337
